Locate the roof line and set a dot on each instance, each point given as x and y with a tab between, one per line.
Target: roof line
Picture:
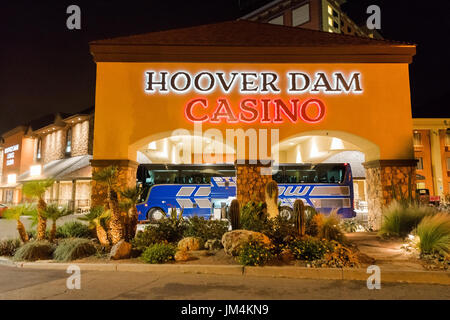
96	42
258	10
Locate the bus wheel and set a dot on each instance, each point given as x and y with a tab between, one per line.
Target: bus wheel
286	212
155	214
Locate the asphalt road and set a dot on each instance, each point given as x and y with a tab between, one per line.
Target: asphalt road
8	228
17	283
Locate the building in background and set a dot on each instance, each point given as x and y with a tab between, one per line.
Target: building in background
52	147
321	15
18	146
432	150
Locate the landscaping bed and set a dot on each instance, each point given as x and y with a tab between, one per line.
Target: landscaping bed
412	237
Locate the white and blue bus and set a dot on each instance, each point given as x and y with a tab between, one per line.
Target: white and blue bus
204	190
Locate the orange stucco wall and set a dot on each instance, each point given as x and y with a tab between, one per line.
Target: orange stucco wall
126	114
23	157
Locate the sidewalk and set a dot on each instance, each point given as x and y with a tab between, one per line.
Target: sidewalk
387	254
387	274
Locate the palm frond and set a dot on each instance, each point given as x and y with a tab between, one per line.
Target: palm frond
15	212
36	189
132	194
106	176
54	212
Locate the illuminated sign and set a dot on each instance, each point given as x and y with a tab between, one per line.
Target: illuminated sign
265	110
9	152
12	148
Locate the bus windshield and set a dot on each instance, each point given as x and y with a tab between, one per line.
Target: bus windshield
311	173
183	174
201	174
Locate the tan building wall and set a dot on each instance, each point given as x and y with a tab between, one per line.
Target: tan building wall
422	152
80	138
444	139
53	145
435	151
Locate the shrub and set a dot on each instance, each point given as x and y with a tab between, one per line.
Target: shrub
350	225
35	250
205	229
9	246
74	248
310	248
159	253
400	218
434	234
339	257
255	253
253	217
330	228
279	229
166	230
171	229
73	229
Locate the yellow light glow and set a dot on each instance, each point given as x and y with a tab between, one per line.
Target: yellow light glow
35	170
337	144
314	151
152	145
12	178
299	155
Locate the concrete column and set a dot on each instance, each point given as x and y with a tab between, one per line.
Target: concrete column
436	162
57	192
126	178
74	195
250	181
381	175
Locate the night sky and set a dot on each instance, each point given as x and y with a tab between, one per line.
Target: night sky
46	68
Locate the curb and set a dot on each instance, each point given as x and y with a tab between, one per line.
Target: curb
7	262
295	272
387	276
405	276
183	268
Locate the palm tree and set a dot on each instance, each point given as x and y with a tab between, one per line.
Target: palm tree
15	212
132	196
98	219
108	178
53	212
36	190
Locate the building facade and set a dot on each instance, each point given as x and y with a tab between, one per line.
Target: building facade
321	15
17	157
432	150
239	75
54	147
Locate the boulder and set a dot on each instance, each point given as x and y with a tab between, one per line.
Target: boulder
182	255
233	241
190	244
213	244
121	250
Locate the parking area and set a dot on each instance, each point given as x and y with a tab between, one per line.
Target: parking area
8	227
